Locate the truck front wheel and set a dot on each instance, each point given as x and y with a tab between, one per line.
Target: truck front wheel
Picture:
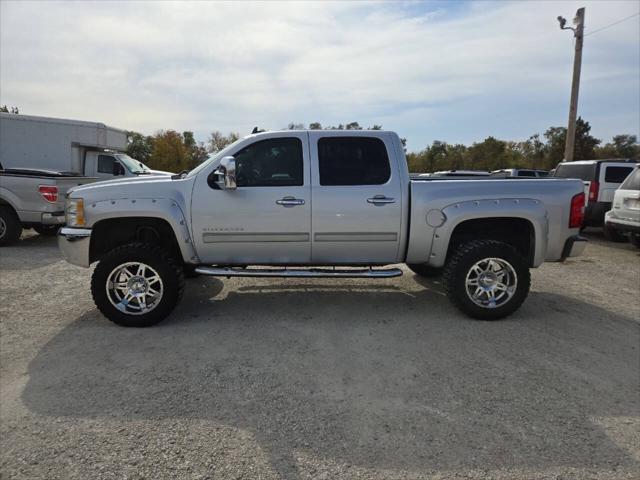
137	285
487	279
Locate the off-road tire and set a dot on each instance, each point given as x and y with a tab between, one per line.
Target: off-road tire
12	228
461	261
46	230
171	275
425	271
613	235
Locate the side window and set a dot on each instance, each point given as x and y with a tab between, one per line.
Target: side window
526	173
105	164
276	162
632	182
353	161
616	174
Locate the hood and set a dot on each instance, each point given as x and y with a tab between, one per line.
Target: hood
143	186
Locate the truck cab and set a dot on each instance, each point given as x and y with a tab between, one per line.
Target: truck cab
105	165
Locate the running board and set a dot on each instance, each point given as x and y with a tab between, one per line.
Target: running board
299	273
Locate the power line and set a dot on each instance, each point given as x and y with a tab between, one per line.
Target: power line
612	24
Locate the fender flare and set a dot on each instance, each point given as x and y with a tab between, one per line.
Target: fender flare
528	209
161	208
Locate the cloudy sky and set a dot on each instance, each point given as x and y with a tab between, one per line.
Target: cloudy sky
454	71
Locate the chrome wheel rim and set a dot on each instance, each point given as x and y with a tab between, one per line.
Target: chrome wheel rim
491	282
3	227
134	288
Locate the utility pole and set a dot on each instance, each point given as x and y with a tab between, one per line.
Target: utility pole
578	33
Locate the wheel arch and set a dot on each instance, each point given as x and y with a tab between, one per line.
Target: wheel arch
519	222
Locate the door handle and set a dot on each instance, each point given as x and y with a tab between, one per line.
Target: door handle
381	200
290	201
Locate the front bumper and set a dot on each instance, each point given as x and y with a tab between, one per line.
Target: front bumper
623	225
74	245
574	247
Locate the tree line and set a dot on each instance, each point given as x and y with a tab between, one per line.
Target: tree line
174	151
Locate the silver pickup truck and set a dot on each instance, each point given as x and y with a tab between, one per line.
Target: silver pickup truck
31	198
316	204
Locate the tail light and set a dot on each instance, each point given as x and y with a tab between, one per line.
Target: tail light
593	191
576	216
49	193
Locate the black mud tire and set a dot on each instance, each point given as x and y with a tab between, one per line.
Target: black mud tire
425	271
10	226
171	275
613	235
46	230
461	261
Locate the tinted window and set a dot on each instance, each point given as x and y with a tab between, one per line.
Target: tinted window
616	174
276	162
582	171
353	161
526	173
632	182
105	164
542	173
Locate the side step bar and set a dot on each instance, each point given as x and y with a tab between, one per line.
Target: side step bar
299	273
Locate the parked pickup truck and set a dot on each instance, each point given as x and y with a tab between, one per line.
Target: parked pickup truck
316	204
33	199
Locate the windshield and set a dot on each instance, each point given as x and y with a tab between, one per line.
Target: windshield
213	157
133	165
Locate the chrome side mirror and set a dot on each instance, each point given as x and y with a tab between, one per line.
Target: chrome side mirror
226	173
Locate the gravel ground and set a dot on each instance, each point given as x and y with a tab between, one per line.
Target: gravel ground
279	379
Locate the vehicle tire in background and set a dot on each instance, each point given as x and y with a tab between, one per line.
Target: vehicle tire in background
46	230
613	235
634	238
10	226
423	270
487	279
137	285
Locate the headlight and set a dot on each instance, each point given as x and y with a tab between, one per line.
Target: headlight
74	212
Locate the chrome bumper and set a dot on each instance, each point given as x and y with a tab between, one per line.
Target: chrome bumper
74	245
52	218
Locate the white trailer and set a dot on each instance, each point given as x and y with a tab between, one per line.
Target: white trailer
87	148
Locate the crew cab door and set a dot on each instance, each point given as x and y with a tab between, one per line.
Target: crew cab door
267	218
356	198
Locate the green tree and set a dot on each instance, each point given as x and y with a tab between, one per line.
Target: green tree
197	153
315	126
139	146
217	141
5	109
169	152
584	145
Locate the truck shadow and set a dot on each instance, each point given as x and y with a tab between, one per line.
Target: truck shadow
41	249
369	375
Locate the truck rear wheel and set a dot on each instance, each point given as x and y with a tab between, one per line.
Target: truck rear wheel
10	226
137	285
613	235
487	279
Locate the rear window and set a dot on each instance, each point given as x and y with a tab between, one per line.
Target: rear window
353	161
632	182
105	164
582	171
526	173
616	174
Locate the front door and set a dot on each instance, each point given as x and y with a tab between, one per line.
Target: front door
357	199
267	219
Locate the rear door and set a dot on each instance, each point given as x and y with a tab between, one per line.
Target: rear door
356	199
611	176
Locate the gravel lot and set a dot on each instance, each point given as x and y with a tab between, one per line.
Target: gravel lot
263	379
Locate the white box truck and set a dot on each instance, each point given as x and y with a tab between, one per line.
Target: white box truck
91	149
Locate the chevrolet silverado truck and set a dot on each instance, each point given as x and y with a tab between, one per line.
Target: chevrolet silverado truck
316	203
33	199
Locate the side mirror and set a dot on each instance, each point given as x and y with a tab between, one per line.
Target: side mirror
118	169
226	173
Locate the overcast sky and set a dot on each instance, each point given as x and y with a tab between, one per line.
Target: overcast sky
457	72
